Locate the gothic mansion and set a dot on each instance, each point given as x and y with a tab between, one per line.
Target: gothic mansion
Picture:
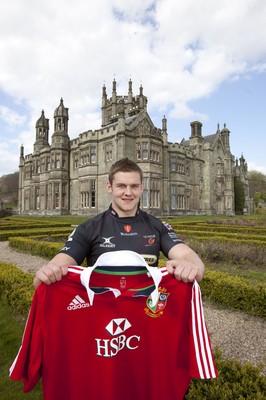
67	176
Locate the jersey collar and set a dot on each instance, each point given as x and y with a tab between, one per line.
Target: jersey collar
120	258
114	213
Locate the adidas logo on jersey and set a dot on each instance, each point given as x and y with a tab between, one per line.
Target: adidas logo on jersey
77	303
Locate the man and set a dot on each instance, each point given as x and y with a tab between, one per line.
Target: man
124	226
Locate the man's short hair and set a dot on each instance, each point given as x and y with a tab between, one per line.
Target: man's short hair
124	165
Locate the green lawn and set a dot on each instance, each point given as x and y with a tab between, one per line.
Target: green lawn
11	330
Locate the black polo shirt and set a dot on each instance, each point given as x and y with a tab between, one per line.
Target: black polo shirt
142	233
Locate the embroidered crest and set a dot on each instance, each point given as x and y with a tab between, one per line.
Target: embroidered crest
123	282
157	310
168	226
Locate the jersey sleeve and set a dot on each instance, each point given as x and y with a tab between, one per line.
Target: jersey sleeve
202	363
27	365
169	238
77	245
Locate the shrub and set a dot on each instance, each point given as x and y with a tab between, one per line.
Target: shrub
34	247
16	288
235	382
234	292
6	213
6	234
229	251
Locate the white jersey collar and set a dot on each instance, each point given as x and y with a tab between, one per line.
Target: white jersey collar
118	259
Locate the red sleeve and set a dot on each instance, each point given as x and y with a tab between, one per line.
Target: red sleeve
27	365
201	356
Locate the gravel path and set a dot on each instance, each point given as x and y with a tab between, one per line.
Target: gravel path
237	334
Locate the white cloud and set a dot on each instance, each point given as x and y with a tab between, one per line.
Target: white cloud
11	117
8	159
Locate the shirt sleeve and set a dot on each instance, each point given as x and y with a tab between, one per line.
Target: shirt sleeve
169	238
202	363
78	244
27	365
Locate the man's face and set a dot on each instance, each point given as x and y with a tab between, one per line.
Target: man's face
126	191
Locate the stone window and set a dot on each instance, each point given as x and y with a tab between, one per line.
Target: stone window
173	197
93	154
145	194
155	193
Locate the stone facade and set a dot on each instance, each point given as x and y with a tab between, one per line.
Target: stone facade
67	176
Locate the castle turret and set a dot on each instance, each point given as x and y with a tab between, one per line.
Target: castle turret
61	118
225	133
21	156
164	130
130	94
114	100
142	99
104	105
60	138
42	133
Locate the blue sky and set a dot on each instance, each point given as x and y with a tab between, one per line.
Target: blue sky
196	60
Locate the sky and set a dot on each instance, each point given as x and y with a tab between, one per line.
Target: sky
198	60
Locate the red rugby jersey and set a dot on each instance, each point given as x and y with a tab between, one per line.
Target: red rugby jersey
128	333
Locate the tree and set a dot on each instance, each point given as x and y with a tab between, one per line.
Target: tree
257	186
257	182
239	196
9	188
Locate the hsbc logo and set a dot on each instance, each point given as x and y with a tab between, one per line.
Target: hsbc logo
117	326
119	341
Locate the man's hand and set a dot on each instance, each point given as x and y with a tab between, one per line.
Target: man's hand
185	264
184	271
49	273
54	270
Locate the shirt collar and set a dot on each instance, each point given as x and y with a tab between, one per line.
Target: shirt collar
114	213
120	258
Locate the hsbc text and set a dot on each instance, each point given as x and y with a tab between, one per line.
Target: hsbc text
110	347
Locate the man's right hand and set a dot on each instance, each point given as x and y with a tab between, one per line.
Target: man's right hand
54	270
49	273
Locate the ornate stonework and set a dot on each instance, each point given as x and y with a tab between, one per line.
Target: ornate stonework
67	176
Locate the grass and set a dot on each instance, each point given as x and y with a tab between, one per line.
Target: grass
69	219
254	274
11	330
77	219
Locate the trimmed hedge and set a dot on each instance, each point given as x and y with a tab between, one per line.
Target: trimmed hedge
236	381
222	235
229	251
16	287
234	292
36	247
30	225
254	230
6	234
253	242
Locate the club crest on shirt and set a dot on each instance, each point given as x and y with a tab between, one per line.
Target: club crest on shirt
157	310
127	228
168	226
